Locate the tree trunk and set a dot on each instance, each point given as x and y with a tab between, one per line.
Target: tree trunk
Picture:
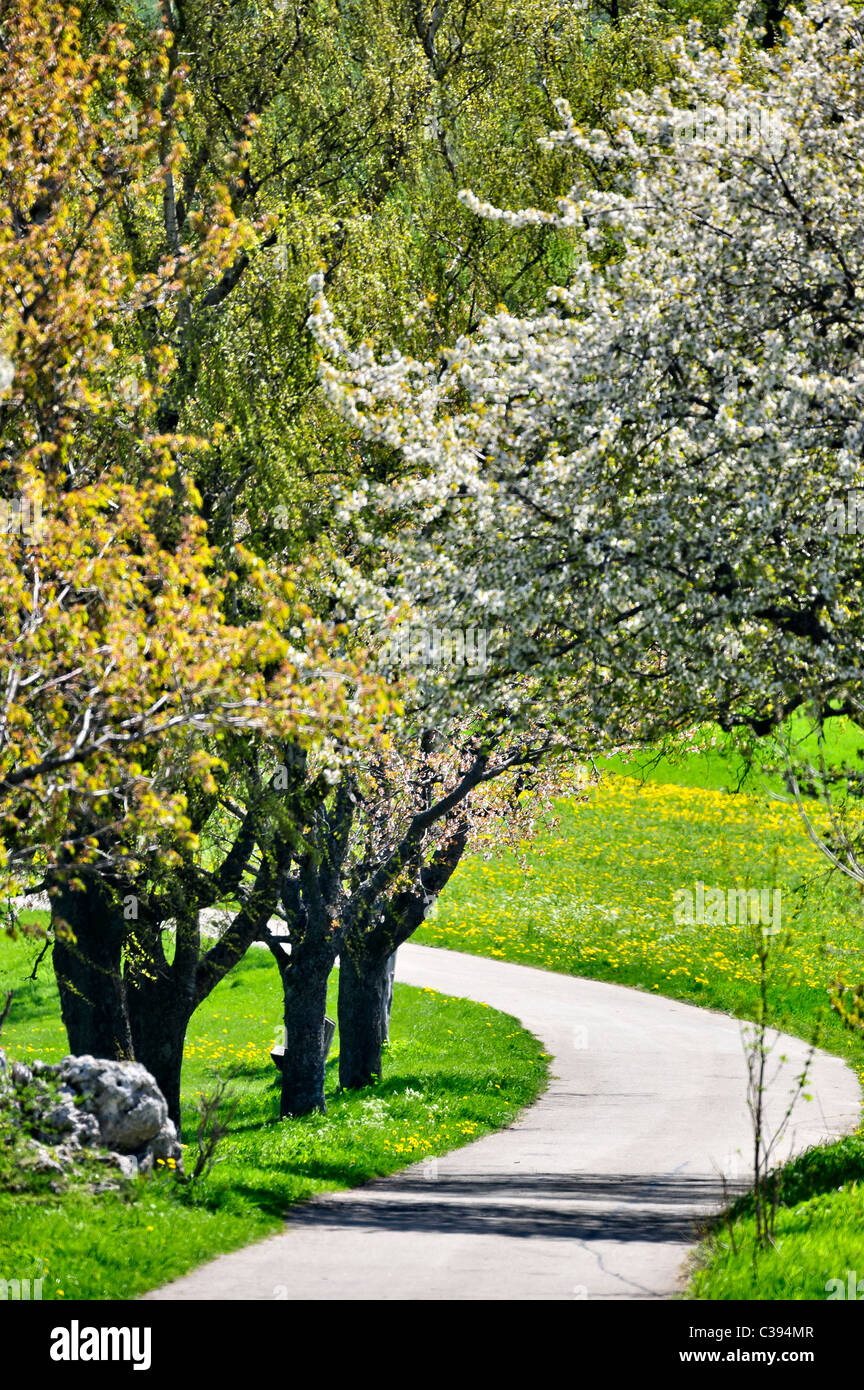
303	1064
89	973
364	1018
159	1016
161	1000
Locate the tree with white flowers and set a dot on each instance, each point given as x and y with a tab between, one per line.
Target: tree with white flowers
643	479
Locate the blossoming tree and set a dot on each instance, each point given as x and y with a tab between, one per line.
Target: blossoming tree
641	480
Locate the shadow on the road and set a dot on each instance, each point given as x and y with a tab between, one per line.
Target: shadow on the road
579	1207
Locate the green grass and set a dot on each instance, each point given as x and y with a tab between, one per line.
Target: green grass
454	1071
719	763
597	900
815	1242
818	1235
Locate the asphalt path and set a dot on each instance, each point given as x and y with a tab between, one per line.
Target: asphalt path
594	1192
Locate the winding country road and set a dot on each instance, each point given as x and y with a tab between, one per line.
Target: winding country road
592	1193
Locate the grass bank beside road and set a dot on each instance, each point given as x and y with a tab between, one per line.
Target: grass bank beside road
455	1070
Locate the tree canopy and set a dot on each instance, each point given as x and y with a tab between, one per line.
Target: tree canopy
640	479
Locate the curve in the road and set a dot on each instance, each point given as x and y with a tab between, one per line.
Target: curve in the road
593	1192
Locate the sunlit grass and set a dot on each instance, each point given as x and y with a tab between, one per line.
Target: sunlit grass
455	1070
817	1239
598	896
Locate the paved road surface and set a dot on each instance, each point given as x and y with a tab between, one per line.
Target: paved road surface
591	1194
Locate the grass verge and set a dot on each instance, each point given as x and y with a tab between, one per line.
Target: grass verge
819	1235
455	1070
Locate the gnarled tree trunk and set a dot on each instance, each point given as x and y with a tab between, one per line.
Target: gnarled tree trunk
304	1060
88	948
159	1016
365	997
367	961
163	996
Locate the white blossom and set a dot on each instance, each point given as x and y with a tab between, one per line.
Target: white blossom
640	472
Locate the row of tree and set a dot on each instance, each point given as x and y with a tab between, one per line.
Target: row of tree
612	489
